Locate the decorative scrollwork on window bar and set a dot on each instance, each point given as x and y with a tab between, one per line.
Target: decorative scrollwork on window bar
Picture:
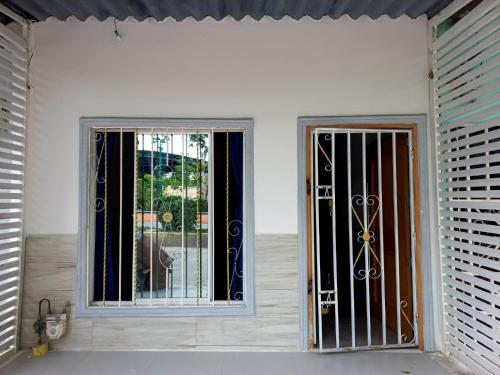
329	166
235	229
404	337
366	236
96	204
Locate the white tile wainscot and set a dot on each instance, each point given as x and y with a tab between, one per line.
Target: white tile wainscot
50	273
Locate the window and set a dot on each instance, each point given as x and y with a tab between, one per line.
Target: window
167	222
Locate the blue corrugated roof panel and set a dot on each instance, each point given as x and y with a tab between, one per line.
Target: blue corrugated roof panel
40	10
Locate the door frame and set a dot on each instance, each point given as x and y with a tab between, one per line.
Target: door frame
427	261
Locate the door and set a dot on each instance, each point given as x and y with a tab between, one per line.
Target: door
363	239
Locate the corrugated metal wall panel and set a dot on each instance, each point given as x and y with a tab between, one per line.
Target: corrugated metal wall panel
13	67
466	94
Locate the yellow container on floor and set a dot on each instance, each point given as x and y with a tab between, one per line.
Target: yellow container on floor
39	350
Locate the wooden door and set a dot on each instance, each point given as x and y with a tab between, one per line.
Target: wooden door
404	237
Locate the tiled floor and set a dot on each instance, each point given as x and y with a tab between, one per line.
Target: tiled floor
207	363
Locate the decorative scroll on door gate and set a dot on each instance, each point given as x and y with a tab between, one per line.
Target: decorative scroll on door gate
363	239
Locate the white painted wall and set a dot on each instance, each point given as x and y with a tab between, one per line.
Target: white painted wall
273	71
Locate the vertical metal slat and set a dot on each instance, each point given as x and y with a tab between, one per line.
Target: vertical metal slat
317	248
381	239
351	257
334	241
396	235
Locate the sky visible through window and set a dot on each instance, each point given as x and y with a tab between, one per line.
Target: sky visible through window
172	141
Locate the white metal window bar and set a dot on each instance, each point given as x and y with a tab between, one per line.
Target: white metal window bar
178	139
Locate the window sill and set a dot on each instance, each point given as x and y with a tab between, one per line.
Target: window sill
158	311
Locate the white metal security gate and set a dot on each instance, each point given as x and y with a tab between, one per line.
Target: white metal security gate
13	58
466	96
363	239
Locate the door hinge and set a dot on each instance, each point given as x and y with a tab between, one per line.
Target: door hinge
412	155
309	286
308	187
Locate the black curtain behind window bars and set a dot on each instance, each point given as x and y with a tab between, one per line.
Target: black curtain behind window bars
112	216
235	215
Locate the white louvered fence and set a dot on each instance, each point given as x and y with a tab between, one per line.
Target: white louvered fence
13	63
466	97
